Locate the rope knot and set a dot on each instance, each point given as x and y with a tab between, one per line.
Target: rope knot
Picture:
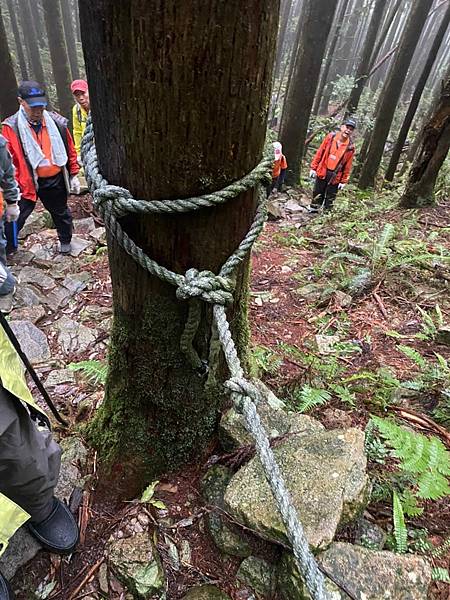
206	286
113	195
243	387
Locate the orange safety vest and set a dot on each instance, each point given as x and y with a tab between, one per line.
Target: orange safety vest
43	139
337	151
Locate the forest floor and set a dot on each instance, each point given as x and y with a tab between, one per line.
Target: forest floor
318	323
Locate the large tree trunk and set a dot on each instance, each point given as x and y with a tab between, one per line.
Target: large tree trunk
363	69
70	38
414	103
31	43
8	87
337	25
391	91
433	150
200	75
35	6
12	9
58	53
315	24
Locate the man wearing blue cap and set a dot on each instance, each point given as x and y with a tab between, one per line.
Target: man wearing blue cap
45	160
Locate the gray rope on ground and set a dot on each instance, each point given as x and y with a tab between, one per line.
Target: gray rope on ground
114	202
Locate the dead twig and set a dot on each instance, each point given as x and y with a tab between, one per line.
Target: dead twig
86	579
380	305
422	421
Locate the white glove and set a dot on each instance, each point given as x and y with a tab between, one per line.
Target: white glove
79	161
312	174
341	186
75	185
12	212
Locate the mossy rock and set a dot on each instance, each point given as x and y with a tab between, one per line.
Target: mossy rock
291	586
258	575
325	474
206	592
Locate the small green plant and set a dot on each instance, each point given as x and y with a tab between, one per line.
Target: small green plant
400	531
424	459
308	397
264	360
94	370
148	496
440	574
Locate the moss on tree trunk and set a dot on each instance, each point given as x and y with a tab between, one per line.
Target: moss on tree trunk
179	95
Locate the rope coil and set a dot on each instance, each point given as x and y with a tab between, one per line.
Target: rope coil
114	202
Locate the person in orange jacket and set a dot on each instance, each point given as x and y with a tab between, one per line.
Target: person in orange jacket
331	165
278	169
45	160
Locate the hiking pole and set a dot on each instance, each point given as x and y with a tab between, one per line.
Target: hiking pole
34	376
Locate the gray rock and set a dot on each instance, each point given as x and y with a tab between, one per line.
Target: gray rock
274	210
342	299
95	313
37	278
443	335
59	377
205	592
44	253
258	575
325	343
74	337
36	222
30	313
21	258
293	206
76	282
27	296
135	563
57	298
291	586
83	226
99	235
233	434
326	475
315	292
377	575
370	535
80	245
21	549
73	462
33	341
214	485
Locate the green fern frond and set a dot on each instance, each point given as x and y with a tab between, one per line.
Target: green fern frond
409	504
440	574
340	255
310	397
426	458
442	549
413	355
400	531
94	370
381	245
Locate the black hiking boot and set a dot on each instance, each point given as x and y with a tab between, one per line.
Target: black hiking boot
57	533
6	592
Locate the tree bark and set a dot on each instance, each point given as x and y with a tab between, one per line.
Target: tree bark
362	70
435	143
12	9
316	20
195	121
414	103
70	38
384	32
37	20
391	91
58	54
8	88
31	43
337	26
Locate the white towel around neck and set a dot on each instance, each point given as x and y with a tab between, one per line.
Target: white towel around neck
32	149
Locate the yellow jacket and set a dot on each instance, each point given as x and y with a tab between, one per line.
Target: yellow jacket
13	379
79	118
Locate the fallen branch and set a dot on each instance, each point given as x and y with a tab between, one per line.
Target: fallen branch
422	421
86	579
380	305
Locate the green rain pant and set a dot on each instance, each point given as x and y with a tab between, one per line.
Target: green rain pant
29	459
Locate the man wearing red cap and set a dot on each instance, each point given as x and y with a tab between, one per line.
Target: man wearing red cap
80	111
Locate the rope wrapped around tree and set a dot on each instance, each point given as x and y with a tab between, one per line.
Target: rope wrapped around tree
114	202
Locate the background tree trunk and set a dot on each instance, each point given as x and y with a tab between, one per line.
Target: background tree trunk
435	143
362	70
8	88
207	132
31	44
315	24
414	103
12	9
391	91
58	53
35	6
70	38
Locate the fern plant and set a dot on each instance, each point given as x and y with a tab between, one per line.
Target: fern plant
400	531
94	370
426	459
308	397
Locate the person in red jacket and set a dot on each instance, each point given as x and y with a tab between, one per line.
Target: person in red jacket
45	160
278	169
331	165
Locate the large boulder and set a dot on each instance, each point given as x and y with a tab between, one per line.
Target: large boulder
135	562
227	540
325	474
364	573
